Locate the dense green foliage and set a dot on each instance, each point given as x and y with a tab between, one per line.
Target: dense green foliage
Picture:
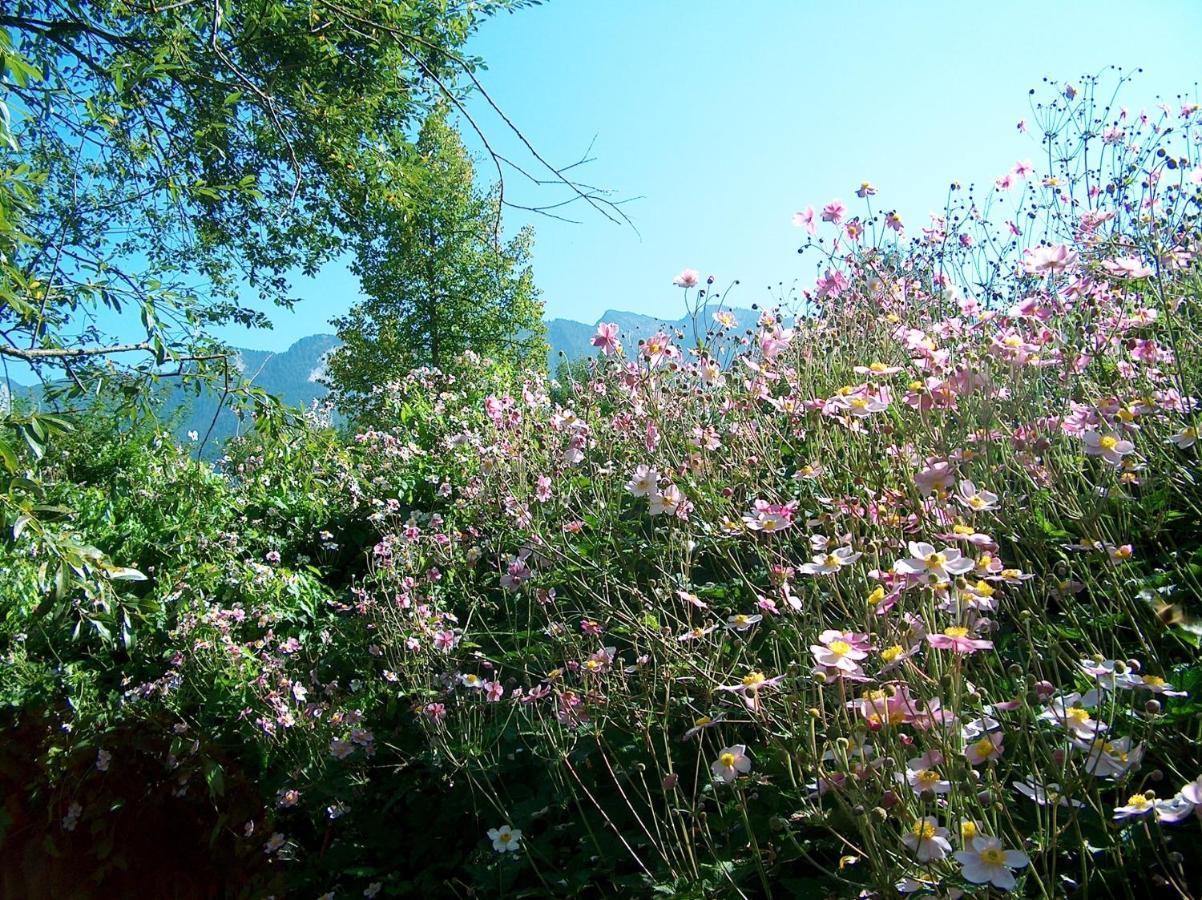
438	280
165	168
161	160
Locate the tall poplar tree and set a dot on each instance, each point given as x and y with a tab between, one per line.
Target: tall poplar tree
438	280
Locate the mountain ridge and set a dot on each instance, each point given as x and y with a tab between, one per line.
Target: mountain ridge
293	374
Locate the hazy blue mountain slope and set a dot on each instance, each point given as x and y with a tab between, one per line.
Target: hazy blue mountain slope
293	375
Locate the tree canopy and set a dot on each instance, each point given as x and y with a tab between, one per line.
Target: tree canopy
437	282
166	165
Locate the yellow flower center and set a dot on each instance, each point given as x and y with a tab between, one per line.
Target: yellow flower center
956	631
504	837
877	367
1077	715
704	720
1108	442
976	501
927	777
876	596
740	619
1138	801
755	678
832	561
1154	681
984	747
859	402
727	760
922	830
993	856
839	648
964	529
1010	573
968	830
891	653
936	561
984	588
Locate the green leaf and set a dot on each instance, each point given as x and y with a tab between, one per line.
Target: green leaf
214	777
7	456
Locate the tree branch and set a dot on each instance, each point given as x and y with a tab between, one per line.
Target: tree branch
51	353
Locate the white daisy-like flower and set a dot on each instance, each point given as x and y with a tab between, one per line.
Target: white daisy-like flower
988	862
505	839
927	839
731	763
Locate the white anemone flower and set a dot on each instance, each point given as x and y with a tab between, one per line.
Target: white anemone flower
988	862
731	763
505	839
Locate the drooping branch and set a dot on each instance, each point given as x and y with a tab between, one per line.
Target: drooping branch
592	196
56	353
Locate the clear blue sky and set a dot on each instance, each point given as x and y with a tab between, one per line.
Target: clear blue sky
726	117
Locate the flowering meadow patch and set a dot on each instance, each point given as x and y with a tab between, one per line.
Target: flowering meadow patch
861	604
894	593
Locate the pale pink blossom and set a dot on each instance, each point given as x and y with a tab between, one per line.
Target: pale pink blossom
987	861
607	338
731	763
927	840
805	220
958	639
1048	260
975	499
833	212
644	482
933	565
1110	447
687	278
829	563
985	749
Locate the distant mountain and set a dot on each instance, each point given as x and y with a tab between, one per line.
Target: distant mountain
293	375
574	339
